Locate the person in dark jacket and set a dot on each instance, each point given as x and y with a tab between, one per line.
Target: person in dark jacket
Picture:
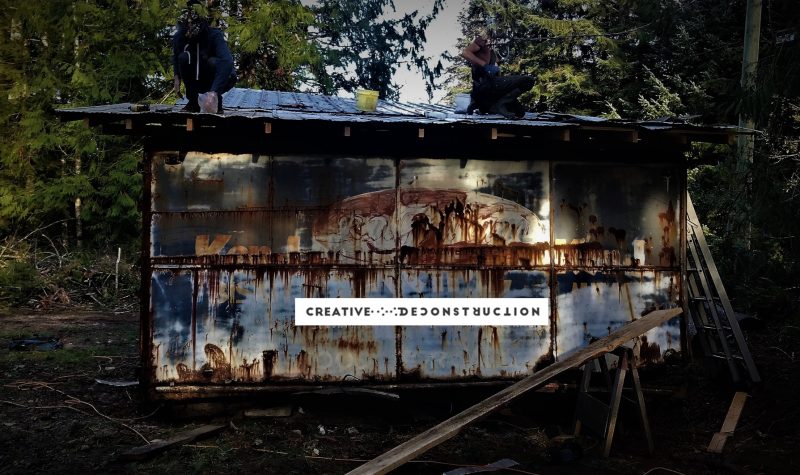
201	58
492	93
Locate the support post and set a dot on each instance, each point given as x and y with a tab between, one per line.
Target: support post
616	397
745	143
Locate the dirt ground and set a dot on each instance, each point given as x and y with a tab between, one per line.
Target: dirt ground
57	418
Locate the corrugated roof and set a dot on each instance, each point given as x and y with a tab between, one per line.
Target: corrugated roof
291	106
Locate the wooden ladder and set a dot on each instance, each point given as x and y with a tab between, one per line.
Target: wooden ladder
710	309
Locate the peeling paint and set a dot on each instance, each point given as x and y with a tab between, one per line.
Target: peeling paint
236	238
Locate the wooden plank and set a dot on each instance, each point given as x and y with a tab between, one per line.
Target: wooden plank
449	428
492	467
494	133
729	425
140	453
583	388
280	411
616	398
637	391
268	127
189	124
421	133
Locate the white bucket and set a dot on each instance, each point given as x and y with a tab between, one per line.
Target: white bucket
462	103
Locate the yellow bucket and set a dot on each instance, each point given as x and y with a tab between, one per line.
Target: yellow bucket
366	100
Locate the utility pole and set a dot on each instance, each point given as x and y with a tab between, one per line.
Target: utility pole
752	33
745	143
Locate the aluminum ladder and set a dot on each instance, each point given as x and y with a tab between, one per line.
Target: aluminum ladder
710	309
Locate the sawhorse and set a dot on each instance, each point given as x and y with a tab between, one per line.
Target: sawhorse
601	417
413	447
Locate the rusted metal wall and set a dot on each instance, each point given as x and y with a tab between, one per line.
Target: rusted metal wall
235	238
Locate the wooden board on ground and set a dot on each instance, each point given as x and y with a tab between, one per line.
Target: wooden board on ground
729	425
140	453
280	411
449	428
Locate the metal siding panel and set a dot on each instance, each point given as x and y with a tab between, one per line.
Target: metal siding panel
210	182
332	209
331	226
439	352
245	332
345	208
306	213
592	304
213	233
330	353
468	214
171	310
323	180
616	215
474	212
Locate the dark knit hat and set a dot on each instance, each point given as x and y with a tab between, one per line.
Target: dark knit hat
194	18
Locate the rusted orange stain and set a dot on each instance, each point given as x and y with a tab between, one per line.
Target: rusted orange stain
667	256
443	228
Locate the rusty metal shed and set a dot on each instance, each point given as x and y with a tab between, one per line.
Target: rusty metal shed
291	195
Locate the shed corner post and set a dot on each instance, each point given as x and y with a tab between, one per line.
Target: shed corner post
682	288
145	324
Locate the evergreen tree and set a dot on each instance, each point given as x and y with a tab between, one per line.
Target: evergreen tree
64	52
559	42
636	59
364	42
270	42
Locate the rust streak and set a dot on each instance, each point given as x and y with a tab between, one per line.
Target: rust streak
270	357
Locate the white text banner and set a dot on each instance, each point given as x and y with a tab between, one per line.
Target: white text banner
421	312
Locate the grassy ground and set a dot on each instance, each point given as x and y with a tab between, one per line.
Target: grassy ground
57	418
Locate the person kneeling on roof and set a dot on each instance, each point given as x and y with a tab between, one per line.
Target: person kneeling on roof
492	93
201	59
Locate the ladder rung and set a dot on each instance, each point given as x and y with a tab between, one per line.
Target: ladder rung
733	356
721	333
723	357
711	326
704	299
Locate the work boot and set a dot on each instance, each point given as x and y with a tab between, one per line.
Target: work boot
191	107
504	111
518	109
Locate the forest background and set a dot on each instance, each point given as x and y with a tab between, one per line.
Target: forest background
69	196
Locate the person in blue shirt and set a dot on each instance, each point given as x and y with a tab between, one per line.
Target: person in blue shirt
201	58
491	92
